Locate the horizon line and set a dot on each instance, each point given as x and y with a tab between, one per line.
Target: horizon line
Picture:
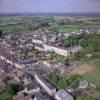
51	13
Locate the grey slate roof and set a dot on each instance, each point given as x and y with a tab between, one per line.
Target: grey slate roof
64	95
31	86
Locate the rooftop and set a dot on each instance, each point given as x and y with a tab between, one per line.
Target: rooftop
42	96
64	95
31	86
22	97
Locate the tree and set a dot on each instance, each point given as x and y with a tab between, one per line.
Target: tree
52	78
0	33
13	88
78	55
83	43
62	84
67	42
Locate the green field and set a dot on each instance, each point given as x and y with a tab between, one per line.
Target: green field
93	76
9	91
15	24
70	28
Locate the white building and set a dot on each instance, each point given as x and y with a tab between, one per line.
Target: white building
19	66
61	51
46	86
63	95
37	41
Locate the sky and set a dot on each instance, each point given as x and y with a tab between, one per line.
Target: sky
49	6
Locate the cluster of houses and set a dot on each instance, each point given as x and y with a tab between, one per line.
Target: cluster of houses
53	43
21	65
34	86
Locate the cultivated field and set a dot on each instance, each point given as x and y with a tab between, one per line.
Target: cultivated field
82	69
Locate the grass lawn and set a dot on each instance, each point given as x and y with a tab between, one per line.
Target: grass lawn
9	91
5	96
94	75
65	28
69	28
58	57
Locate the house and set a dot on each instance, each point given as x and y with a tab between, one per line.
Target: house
83	84
63	95
3	75
49	47
74	49
15	50
22	96
45	85
21	76
79	86
32	88
16	74
41	69
37	41
38	47
57	50
25	78
19	65
42	96
8	68
27	60
55	66
98	31
67	34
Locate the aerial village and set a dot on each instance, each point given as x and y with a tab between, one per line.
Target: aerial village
35	63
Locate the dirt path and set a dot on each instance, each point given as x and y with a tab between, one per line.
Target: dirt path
82	69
